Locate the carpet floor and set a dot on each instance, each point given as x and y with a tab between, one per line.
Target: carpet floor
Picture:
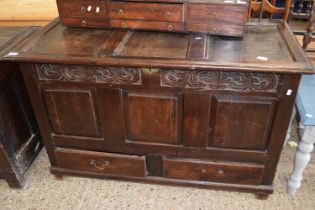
45	192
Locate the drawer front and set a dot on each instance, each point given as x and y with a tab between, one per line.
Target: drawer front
85	22
82	8
146	11
151	25
216	12
235	173
100	162
215	28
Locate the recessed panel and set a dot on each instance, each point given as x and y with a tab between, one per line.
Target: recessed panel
153	117
72	112
241	122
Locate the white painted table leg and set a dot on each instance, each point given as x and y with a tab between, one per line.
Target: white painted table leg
302	158
288	136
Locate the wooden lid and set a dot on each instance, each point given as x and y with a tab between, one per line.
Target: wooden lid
264	48
11	36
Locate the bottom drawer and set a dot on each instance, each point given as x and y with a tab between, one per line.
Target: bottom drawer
85	22
151	25
107	163
215	28
236	173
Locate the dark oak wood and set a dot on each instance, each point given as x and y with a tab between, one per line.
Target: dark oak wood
215	16
213	171
185	109
20	141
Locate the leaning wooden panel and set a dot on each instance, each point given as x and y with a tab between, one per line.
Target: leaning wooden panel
216	107
20	141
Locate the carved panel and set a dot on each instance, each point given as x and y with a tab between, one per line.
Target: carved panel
81	73
217	80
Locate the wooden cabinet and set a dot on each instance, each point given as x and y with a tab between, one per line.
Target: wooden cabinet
20	140
141	106
214	17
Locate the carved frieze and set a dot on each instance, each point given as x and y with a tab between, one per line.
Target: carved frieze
83	73
217	80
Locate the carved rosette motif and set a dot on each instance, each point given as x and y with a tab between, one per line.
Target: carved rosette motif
81	73
217	80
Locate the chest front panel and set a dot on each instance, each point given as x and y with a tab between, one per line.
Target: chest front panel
165	111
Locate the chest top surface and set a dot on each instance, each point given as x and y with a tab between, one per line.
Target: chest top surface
269	48
10	36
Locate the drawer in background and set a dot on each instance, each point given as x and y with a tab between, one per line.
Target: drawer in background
82	8
101	162
216	28
226	172
85	22
146	11
150	25
223	14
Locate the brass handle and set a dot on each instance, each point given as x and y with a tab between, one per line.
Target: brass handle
170	27
120	11
83	10
220	171
83	23
150	71
104	165
123	25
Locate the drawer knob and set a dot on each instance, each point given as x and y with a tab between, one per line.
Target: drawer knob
168	14
120	11
215	14
83	23
220	171
105	164
89	8
214	31
170	27
83	10
123	25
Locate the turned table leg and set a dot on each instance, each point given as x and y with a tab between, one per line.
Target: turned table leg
302	157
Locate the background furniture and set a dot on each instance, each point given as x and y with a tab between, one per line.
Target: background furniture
20	141
27	12
309	37
188	109
301	9
215	17
266	7
305	103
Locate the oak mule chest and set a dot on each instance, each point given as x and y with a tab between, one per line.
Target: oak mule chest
172	108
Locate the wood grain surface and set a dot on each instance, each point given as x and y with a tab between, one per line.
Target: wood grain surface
27	12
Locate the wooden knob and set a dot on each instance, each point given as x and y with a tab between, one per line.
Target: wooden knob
123	25
220	171
83	23
170	27
83	10
214	31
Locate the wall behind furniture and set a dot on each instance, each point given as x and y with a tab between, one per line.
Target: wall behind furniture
27	12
